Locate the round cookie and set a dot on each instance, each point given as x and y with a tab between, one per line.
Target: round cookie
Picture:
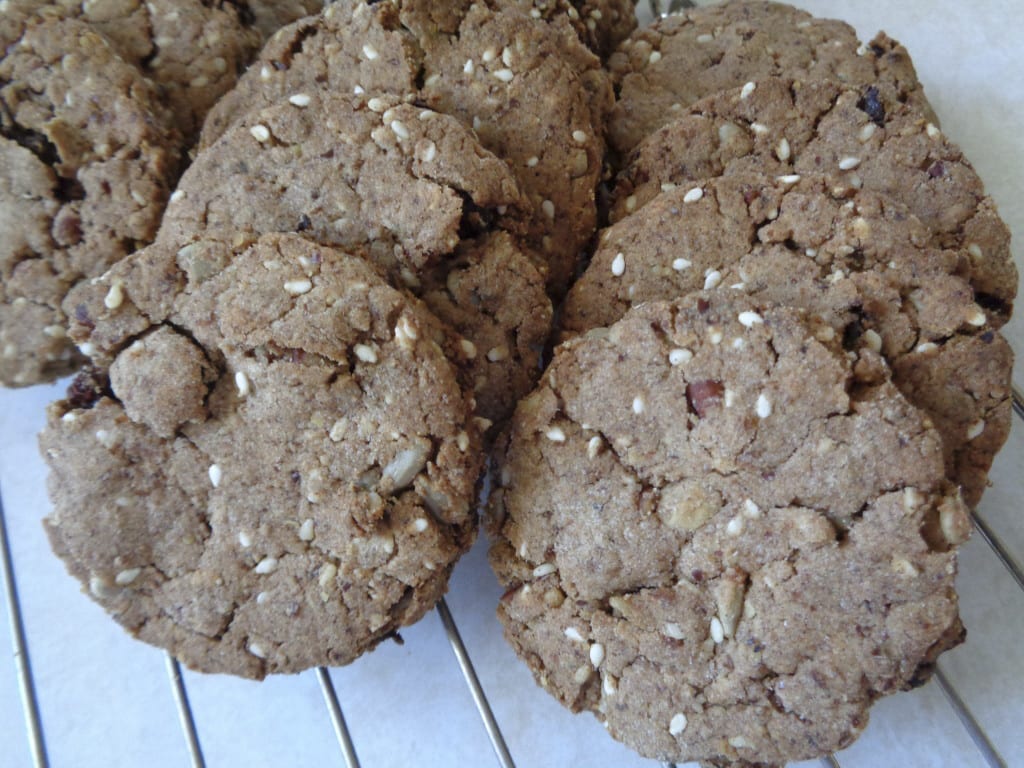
858	260
726	554
361	176
193	50
281	471
531	91
780	127
679	59
84	164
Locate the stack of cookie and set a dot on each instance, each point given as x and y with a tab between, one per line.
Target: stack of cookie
728	517
272	461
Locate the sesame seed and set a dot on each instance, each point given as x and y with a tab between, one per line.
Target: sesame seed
679	356
420	524
358	90
468	67
115	296
867	132
717	630
594	446
264	73
573	634
87	348
306	530
927	346
532	162
631	203
747	90
400	130
932	131
266	566
405	332
730	397
667	186
596	654
974	250
178	194
609	685
555	435
680	264
759	128
791	178
257	650
705	38
977	317
677	724
579	137
782	150
735	526
299	100
655	57
975	429
298	287
849	163
365	353
711	279
764	406
674	631
505	75
462	441
468	348
242	383
715	336
873	340
261	598
498	353
506	56
750	509
693	195
750	319
376	105
549	208
244	539
543	570
429	151
618	264
638	405
126	577
260	132
215	475
370	52
489	55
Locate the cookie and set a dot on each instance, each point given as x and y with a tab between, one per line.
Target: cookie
781	127
268	16
859	261
280	472
83	181
531	92
193	50
600	24
725	553
663	68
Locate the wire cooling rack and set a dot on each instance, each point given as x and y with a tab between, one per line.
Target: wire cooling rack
78	692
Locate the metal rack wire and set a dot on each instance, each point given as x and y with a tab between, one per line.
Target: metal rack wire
972	724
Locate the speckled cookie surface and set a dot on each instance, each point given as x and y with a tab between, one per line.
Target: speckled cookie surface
410	187
683	58
601	24
192	49
84	162
778	127
281	470
530	90
725	553
860	261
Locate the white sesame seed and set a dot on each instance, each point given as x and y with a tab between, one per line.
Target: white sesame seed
216	475
750	509
573	634
927	346
674	631
705	38
126	577
667	186
693	195
420	524
178	194
932	131
594	447
365	353
265	73
244	539
750	319
631	203
977	317
759	128
867	132
738	343
549	209
261	598
429	151
400	130
468	67
242	384
747	90
782	150
730	397
717	630
462	441
266	566
735	526
791	178
505	75
679	356
257	650
506	56
975	429
260	132
596	654
489	55
306	530
376	105
849	163
532	162
638	405
358	90
498	353
87	348
370	52
677	724
468	349
115	296
680	264
873	340
711	279
764	406
715	336
555	435
579	137
543	570
298	287
299	100
974	250
655	57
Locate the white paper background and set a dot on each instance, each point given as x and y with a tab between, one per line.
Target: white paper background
105	700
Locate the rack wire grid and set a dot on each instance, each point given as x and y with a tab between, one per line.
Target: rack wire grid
79	692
